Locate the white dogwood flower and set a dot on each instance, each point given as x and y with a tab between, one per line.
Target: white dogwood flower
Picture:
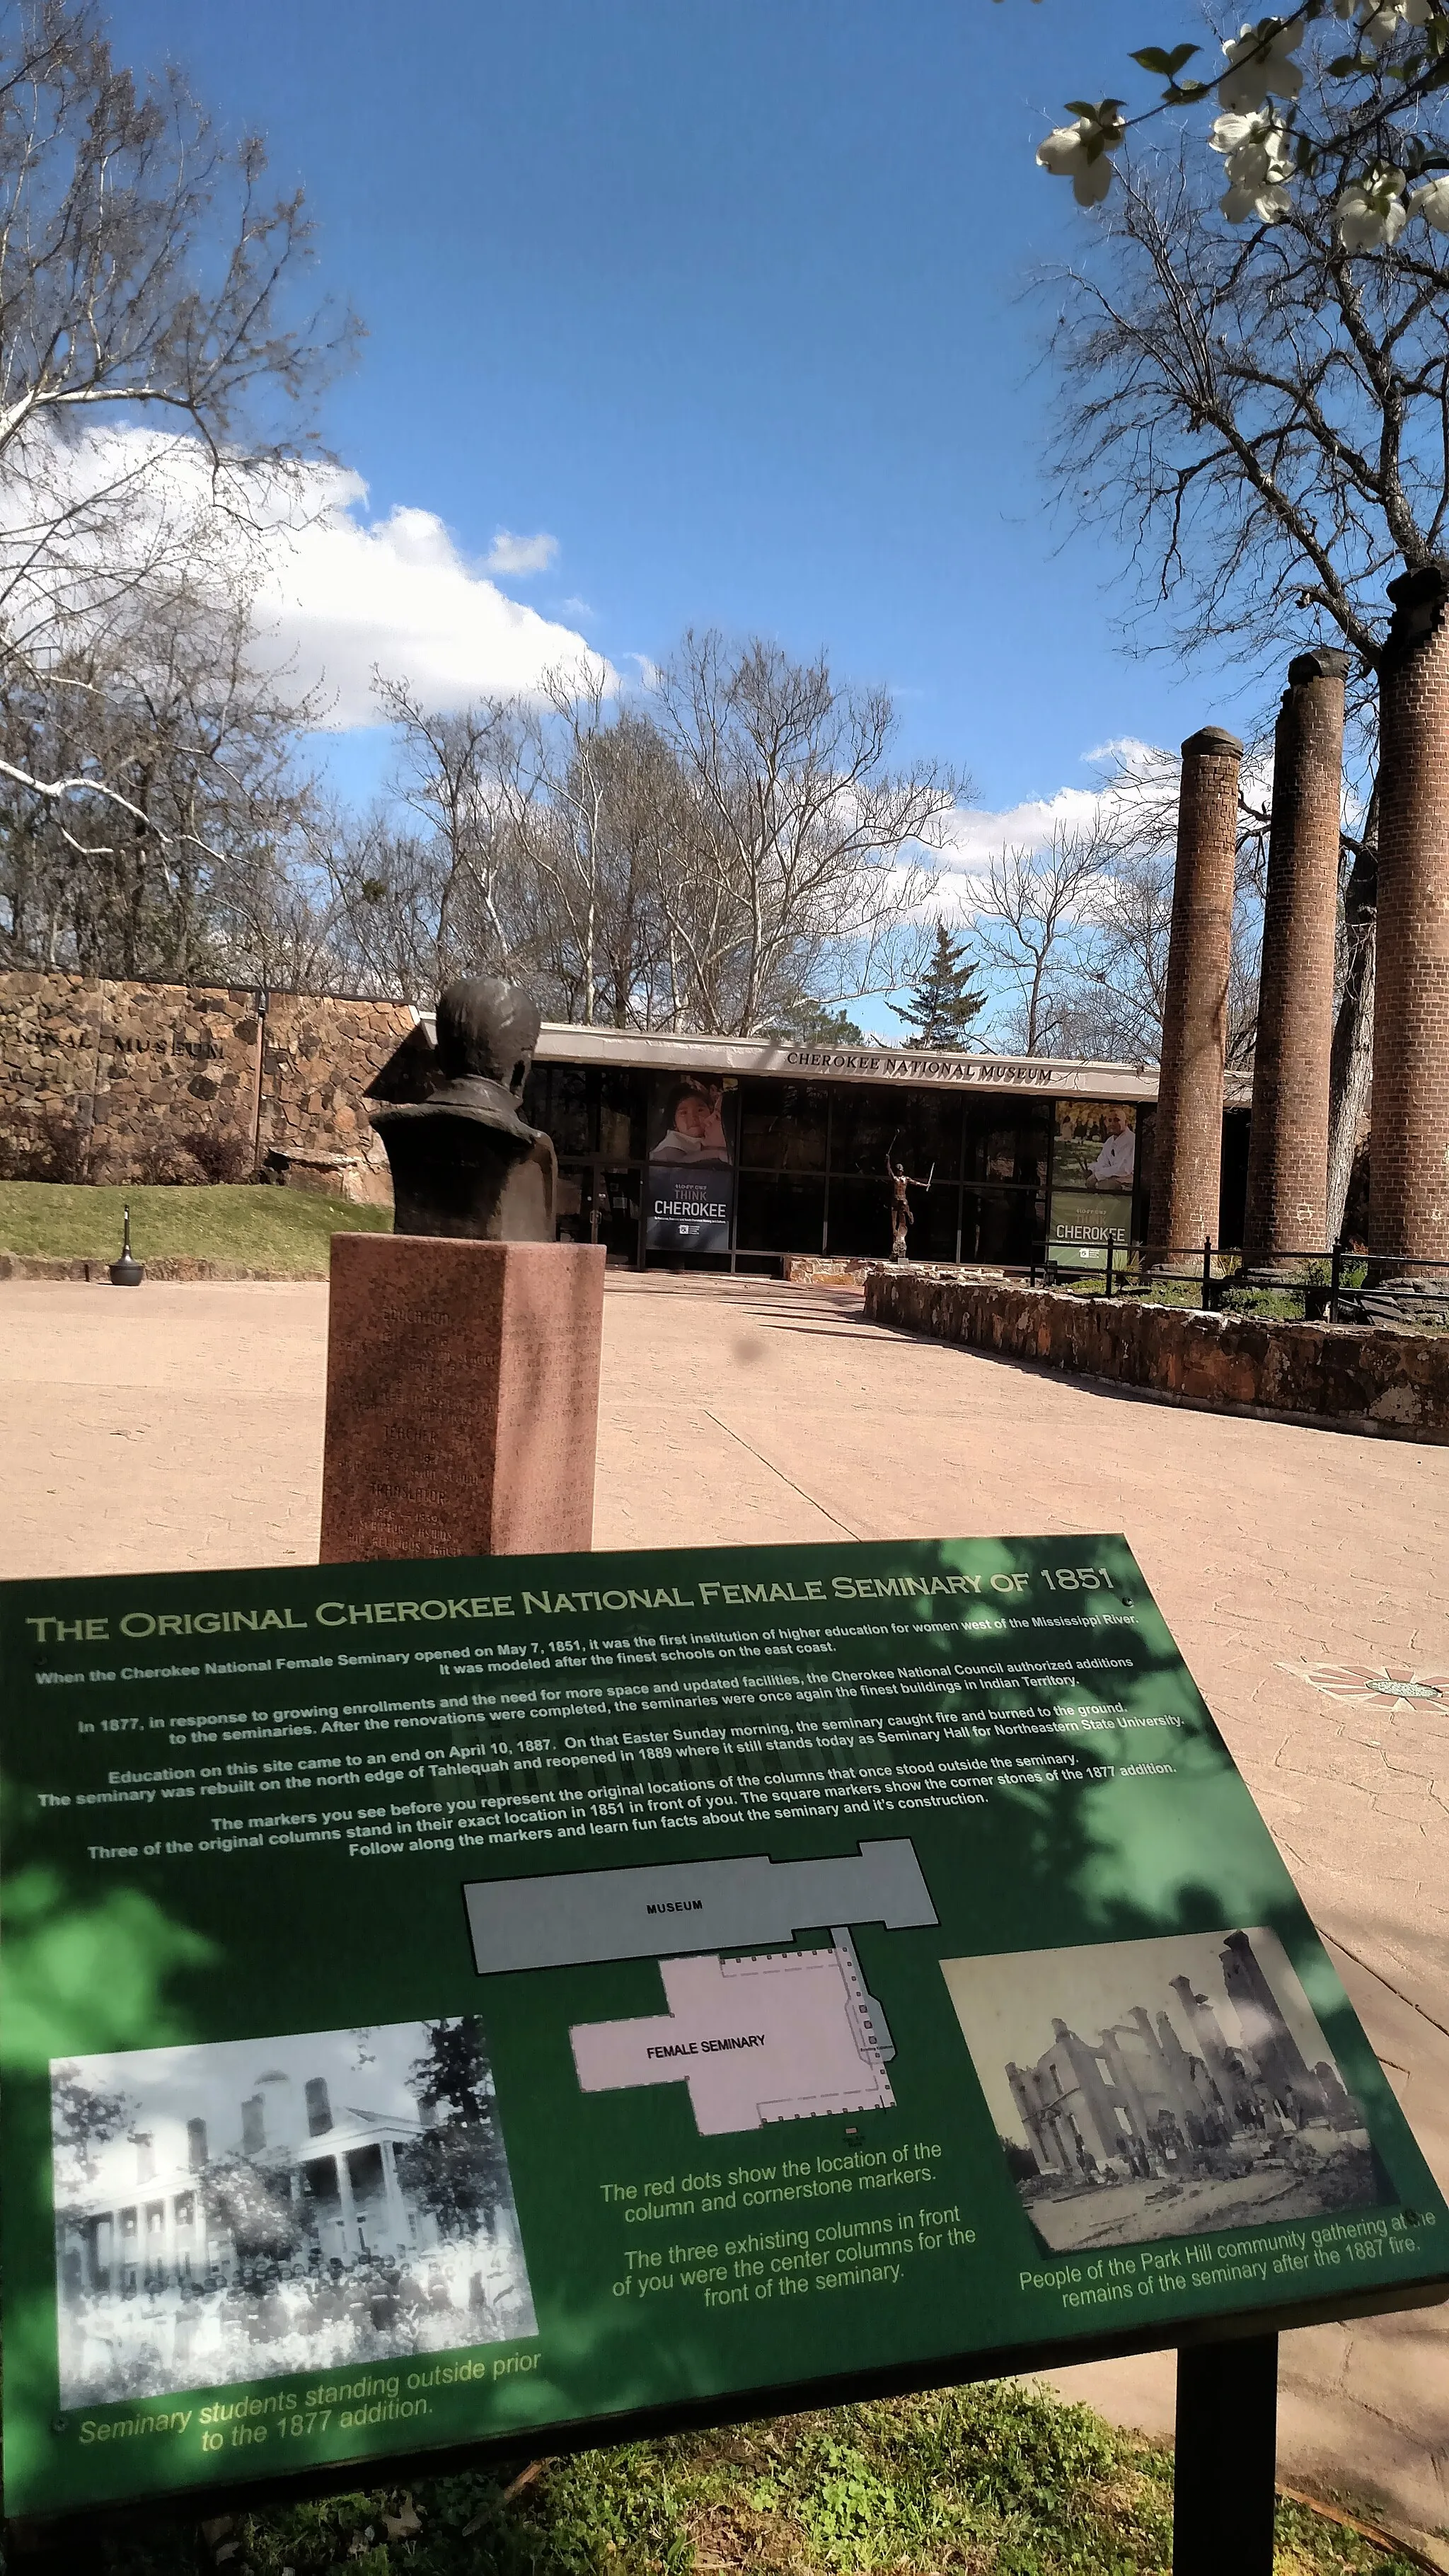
1259	158
1379	20
1258	65
1432	202
1079	152
1371	212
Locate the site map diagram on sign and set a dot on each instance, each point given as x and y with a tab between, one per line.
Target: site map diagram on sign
790	2035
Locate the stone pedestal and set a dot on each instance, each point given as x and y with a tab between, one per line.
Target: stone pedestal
462	1397
1409	1146
1288	1142
1188	1140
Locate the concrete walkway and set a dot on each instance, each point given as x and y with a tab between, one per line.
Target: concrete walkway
182	1426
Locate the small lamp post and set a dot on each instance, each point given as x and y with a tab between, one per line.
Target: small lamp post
127	1272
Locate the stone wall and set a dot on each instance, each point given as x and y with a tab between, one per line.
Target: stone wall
812	1269
321	1052
1365	1379
116	1079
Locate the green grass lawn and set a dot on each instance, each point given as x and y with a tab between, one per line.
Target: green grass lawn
263	1229
998	2480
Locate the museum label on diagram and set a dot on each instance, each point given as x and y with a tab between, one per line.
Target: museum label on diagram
459	2004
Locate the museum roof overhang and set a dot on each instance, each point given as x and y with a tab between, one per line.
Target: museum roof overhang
655	1051
780	1058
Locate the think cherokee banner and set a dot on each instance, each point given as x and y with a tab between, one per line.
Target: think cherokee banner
691	1166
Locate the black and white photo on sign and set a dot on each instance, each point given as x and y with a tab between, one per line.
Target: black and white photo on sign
245	2208
1146	2089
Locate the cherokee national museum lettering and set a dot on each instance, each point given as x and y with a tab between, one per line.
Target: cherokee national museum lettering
489	2001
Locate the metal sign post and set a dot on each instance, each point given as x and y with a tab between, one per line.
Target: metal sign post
1226	2457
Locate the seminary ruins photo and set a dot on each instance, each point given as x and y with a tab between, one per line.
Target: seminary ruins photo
1159	2088
256	2207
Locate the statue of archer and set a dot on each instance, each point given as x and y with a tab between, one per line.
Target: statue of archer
902	1185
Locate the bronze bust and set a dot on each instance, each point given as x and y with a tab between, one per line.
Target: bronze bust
463	1160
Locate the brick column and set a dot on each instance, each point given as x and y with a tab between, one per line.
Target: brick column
1188	1144
1288	1142
1409	1146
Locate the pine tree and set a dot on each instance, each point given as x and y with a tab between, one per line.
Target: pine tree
942	1005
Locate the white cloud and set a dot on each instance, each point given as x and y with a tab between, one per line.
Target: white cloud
348	593
975	834
335	593
511	554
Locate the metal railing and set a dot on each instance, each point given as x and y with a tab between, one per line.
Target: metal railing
1327	1280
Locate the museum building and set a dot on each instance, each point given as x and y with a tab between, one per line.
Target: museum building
735	1152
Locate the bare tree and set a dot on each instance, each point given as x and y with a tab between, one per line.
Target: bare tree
620	824
1033	914
806	868
185	871
145	277
387	886
283	929
1108	1002
525	837
650	826
1111	1001
575	773
466	780
1266	414
506	861
1111	1007
733	854
1080	931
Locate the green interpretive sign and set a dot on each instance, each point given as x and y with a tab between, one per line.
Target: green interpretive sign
497	2001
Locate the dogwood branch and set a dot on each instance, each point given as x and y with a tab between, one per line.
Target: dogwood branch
1264	136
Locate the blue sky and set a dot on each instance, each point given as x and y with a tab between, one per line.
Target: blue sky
727	301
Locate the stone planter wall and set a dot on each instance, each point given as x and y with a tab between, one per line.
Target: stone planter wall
818	1269
1351	1377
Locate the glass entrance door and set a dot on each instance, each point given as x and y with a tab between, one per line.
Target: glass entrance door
599	1202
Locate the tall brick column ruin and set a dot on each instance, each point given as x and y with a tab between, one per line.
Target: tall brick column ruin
1188	1146
1409	1147
1288	1140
